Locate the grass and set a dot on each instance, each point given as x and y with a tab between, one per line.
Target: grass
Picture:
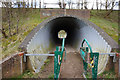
51	76
108	24
88	75
27	22
107	74
46	62
31	74
28	74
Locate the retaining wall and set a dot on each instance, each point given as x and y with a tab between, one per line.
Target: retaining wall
11	66
76	12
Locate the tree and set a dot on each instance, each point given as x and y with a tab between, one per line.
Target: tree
78	4
8	14
3	33
60	4
85	4
28	4
100	4
40	4
92	6
97	4
31	3
17	17
35	4
69	3
119	6
111	10
106	5
82	4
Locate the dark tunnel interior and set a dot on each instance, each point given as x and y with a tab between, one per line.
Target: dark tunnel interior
69	24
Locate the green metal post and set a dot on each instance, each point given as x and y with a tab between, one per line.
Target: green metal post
63	43
57	63
95	68
85	67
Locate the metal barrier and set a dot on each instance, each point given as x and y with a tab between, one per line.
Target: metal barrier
58	54
84	52
91	58
58	58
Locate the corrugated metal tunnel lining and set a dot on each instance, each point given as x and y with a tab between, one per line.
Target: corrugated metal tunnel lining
44	39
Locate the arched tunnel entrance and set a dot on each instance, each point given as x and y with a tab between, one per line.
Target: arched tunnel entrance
44	39
69	24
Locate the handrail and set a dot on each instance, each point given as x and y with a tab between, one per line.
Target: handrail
85	40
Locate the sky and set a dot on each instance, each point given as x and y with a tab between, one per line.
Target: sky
74	1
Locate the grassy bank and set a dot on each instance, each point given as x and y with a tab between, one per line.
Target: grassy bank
108	24
27	22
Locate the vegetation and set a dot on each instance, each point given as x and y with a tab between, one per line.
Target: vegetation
28	74
46	62
107	74
108	24
27	22
51	76
32	74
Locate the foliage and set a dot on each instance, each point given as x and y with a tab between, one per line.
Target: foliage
46	62
51	76
27	22
109	24
107	74
28	74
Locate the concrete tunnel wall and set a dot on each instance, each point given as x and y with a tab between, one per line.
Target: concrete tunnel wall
44	39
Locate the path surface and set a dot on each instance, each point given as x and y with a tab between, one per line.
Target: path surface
71	68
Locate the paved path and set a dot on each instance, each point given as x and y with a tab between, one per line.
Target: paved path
73	67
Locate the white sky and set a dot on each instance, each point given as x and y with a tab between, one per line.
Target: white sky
90	3
74	1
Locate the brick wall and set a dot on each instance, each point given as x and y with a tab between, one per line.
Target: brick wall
74	12
11	66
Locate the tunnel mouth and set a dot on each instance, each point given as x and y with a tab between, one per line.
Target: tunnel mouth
69	24
42	38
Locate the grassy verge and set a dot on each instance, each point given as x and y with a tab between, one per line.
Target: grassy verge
28	74
105	74
51	76
45	63
27	22
32	74
108	24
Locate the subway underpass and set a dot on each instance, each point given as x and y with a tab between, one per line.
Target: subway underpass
44	38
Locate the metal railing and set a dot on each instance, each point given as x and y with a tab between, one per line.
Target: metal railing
91	58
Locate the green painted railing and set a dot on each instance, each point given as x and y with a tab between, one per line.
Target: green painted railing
58	59
84	52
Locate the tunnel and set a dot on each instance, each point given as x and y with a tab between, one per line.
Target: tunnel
44	38
69	24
